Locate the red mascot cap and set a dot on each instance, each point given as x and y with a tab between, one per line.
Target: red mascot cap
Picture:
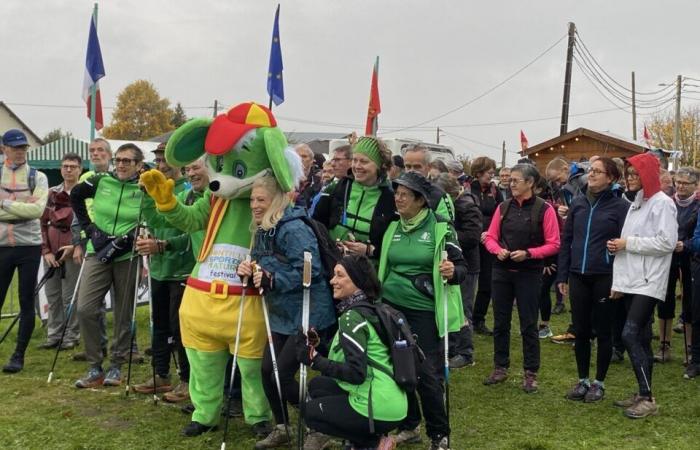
228	128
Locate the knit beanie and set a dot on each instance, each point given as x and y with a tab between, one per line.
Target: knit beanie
369	147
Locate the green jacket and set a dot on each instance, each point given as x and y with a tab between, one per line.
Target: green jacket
455	312
177	261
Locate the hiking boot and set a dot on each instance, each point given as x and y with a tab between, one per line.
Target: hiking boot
14	364
235	410
459	361
181	393
482	329
595	393
386	443
113	377
545	332
628	402
664	353
262	429
692	371
530	382
316	441
276	438
578	392
618	356
439	443
162	384
93	379
498	375
47	345
408	436
564	338
559	308
644	407
678	327
196	428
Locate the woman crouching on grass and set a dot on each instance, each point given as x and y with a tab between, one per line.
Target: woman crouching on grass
640	271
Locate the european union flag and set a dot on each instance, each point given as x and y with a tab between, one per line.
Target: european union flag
275	84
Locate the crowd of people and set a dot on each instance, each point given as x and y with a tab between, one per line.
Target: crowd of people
431	242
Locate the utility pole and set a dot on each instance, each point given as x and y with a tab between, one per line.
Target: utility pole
437	135
216	108
503	155
634	111
677	125
567	79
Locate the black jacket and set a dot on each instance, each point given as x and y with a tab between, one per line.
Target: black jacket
586	232
468	225
487	199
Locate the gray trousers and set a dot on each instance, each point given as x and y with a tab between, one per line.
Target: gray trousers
59	293
96	281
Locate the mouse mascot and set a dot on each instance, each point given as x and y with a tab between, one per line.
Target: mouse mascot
239	147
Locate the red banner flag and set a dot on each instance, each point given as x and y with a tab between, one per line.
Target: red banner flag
523	142
374	107
647	137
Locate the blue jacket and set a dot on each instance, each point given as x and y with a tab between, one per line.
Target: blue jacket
586	231
687	224
280	251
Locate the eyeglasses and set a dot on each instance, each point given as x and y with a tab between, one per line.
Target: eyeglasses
597	172
124	161
159	160
404	195
70	166
685	183
633	176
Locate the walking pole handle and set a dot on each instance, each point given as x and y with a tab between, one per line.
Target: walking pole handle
307	270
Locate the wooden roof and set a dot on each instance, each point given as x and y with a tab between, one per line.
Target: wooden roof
579	132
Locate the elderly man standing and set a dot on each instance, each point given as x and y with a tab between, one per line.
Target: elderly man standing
23	194
312	183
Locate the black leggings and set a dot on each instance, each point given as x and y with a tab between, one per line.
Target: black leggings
637	338
26	260
592	309
329	412
546	296
680	270
166	298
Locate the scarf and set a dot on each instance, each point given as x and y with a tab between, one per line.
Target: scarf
683	203
408	225
349	302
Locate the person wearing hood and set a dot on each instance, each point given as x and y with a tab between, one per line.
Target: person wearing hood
358	208
280	240
643	255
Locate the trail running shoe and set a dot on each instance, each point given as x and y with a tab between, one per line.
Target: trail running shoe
113	377
530	382
595	393
545	332
459	361
276	438
564	338
578	392
94	378
498	375
181	393
643	408
162	384
408	436
628	402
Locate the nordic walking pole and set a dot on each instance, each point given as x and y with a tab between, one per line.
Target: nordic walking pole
446	344
235	358
12	324
306	282
146	264
274	361
133	325
49	273
69	315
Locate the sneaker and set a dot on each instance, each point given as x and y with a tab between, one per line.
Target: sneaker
530	382
196	428
644	407
14	364
692	371
316	441
113	377
181	393
559	308
618	356
498	375
93	379
439	443
262	429
564	338
459	361
47	345
276	438
678	327
628	402
481	328
545	332
664	353
386	443
408	436
595	393
578	392
162	384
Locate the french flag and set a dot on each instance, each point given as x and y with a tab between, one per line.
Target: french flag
94	70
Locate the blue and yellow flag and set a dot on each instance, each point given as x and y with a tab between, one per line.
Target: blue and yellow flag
275	84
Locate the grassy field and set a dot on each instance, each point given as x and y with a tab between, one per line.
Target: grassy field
34	415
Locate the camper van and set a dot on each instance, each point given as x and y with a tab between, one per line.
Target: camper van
398	146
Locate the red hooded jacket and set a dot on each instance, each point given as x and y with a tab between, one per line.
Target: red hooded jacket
648	168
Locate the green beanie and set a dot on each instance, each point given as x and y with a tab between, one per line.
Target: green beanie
369	147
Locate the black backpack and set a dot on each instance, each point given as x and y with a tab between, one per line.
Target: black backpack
404	351
330	255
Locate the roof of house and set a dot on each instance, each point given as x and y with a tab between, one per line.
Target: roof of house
12	114
606	137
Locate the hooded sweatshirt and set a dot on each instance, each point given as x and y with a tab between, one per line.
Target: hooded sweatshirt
651	232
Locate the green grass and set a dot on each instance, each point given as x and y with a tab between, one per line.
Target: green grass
34	415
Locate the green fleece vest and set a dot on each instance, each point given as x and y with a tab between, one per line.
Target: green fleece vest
388	399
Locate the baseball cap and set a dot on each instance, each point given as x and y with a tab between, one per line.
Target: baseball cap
14	138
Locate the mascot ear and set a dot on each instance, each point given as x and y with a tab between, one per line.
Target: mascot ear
275	145
187	142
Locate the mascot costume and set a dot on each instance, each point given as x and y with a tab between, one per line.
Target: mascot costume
240	146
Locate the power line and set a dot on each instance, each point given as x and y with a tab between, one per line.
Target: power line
449	133
40	105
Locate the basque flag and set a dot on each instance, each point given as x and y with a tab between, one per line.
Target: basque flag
374	107
94	70
275	84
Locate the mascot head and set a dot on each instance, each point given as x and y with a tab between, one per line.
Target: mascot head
240	146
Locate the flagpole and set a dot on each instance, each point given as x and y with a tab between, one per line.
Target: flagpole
93	89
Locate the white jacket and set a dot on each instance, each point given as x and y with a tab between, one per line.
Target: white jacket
651	231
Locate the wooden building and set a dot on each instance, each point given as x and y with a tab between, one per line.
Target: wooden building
581	144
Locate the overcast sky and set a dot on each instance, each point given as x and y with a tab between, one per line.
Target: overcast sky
434	56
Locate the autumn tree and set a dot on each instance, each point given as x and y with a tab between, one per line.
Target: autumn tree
56	134
140	114
179	116
662	129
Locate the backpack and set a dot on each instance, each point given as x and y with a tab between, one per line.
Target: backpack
404	351
31	181
535	222
330	255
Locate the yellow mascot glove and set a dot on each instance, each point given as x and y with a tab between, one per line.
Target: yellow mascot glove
159	189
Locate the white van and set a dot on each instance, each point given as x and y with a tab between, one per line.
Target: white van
398	146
